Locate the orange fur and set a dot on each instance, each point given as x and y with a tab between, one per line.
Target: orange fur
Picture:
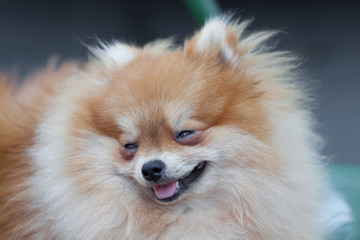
20	110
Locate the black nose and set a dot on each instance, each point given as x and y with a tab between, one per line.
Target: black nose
153	170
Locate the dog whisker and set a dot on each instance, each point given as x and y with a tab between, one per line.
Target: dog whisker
101	181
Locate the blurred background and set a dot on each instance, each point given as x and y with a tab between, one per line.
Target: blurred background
325	34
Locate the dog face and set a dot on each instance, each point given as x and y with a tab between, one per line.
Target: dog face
161	125
170	124
176	122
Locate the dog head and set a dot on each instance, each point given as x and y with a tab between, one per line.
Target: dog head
161	123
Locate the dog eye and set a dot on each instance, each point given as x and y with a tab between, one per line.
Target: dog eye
131	146
185	133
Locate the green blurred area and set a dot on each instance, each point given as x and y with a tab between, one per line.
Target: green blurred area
203	9
346	180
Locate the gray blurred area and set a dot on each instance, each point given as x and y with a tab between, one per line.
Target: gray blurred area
325	34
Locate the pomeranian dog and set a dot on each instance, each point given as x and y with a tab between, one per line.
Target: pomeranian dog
211	140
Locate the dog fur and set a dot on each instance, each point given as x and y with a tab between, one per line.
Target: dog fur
66	175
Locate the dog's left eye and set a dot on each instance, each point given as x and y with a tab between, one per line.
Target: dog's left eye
188	137
185	133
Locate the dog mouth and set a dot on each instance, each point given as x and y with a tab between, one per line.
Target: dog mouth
170	191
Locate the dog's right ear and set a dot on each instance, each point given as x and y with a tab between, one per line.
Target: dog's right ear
218	39
224	40
114	55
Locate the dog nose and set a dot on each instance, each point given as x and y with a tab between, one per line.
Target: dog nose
153	170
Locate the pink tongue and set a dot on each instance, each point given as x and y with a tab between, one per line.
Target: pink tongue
166	190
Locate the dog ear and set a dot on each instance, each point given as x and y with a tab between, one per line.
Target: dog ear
217	39
114	55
